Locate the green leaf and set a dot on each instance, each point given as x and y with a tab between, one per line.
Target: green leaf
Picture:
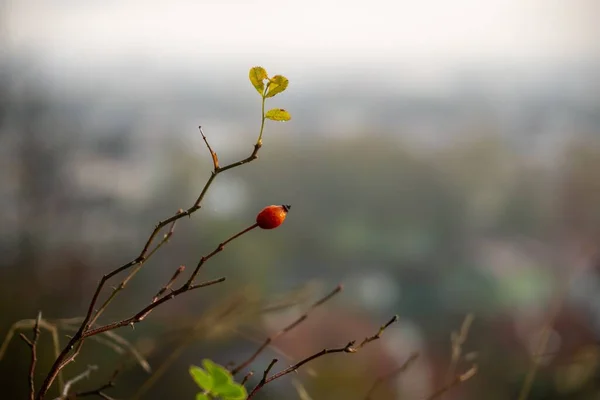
278	114
257	76
277	84
202	396
220	376
233	391
202	378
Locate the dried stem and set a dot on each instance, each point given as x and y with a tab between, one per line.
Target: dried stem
100	390
455	382
348	348
288	328
84	375
73	347
544	337
248	375
413	357
29	324
33	346
457	339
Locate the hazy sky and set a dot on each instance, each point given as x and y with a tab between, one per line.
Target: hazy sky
308	33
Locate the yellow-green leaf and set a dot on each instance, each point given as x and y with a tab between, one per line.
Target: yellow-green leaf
278	114
257	76
202	378
220	376
277	84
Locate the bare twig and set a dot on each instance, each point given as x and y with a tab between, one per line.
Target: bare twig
215	159
201	327
413	357
378	334
33	346
544	337
457	339
85	332
74	345
455	382
84	375
219	249
118	344
248	375
288	328
125	281
139	317
178	272
100	390
29	324
348	348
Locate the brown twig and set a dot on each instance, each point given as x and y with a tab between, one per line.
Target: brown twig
200	327
378	334
219	249
29	324
348	348
413	357
215	159
73	347
139	317
178	272
125	281
100	390
248	375
33	346
456	381
186	287
288	328
84	375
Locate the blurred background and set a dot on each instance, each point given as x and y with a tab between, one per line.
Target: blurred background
442	160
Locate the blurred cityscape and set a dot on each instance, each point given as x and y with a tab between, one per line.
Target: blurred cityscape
465	188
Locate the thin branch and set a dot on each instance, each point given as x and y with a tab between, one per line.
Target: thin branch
457	339
139	317
263	381
288	328
378	334
348	348
248	375
141	360
125	281
100	390
455	382
29	324
413	357
219	249
178	272
199	326
73	347
33	346
84	375
213	155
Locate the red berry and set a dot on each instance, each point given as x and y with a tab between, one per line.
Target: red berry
272	216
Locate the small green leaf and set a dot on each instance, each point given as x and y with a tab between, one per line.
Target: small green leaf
233	391
277	84
220	376
202	378
202	396
278	114
257	76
